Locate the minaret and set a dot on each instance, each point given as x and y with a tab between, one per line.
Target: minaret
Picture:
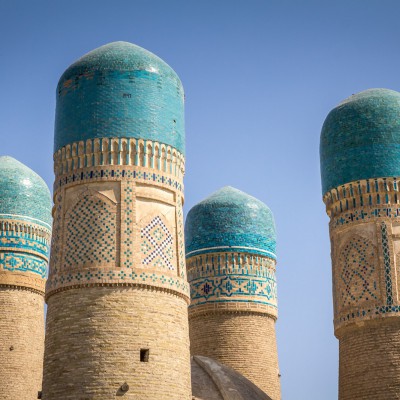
117	294
230	250
25	218
360	168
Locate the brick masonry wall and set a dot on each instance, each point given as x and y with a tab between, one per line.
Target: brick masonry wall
369	365
22	343
93	348
243	341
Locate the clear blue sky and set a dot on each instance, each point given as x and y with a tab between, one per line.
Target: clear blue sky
260	78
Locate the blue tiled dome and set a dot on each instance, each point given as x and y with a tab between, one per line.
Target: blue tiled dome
230	220
360	139
23	193
120	90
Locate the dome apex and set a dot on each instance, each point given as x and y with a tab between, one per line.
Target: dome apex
230	220
120	90
360	139
121	56
23	193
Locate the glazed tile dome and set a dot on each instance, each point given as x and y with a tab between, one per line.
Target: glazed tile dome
360	139
23	193
230	220
120	90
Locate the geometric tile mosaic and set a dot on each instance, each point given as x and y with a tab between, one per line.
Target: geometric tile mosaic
23	262
91	233
156	245
358	274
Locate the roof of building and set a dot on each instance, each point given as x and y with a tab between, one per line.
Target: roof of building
120	90
214	381
360	139
230	220
23	193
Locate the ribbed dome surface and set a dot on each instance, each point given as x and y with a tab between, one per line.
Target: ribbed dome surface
120	90
230	220
23	193
360	139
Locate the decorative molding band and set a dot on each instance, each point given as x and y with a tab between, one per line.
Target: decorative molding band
228	263
362	193
232	279
119	151
234	249
366	214
23	281
247	308
116	277
26	225
23	262
118	173
23	243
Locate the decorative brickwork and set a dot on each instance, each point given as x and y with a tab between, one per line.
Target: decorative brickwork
363	230
91	232
233	278
156	245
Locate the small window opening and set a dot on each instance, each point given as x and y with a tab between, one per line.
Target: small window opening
144	355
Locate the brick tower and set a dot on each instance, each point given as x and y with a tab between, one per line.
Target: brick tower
25	218
117	294
360	168
230	250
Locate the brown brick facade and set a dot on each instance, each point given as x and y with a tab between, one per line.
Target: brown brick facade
243	341
22	344
94	338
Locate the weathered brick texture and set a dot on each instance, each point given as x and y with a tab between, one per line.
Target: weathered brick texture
369	365
94	348
22	343
243	341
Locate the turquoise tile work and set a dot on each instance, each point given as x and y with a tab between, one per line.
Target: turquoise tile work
360	139
23	194
120	90
230	220
25	219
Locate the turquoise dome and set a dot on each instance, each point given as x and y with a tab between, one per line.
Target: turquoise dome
230	220
360	139
23	193
120	90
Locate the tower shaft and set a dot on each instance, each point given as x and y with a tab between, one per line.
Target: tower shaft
117	292
365	233
233	312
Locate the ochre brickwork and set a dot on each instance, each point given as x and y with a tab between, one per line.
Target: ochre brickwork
22	343
365	248
244	341
369	366
94	348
